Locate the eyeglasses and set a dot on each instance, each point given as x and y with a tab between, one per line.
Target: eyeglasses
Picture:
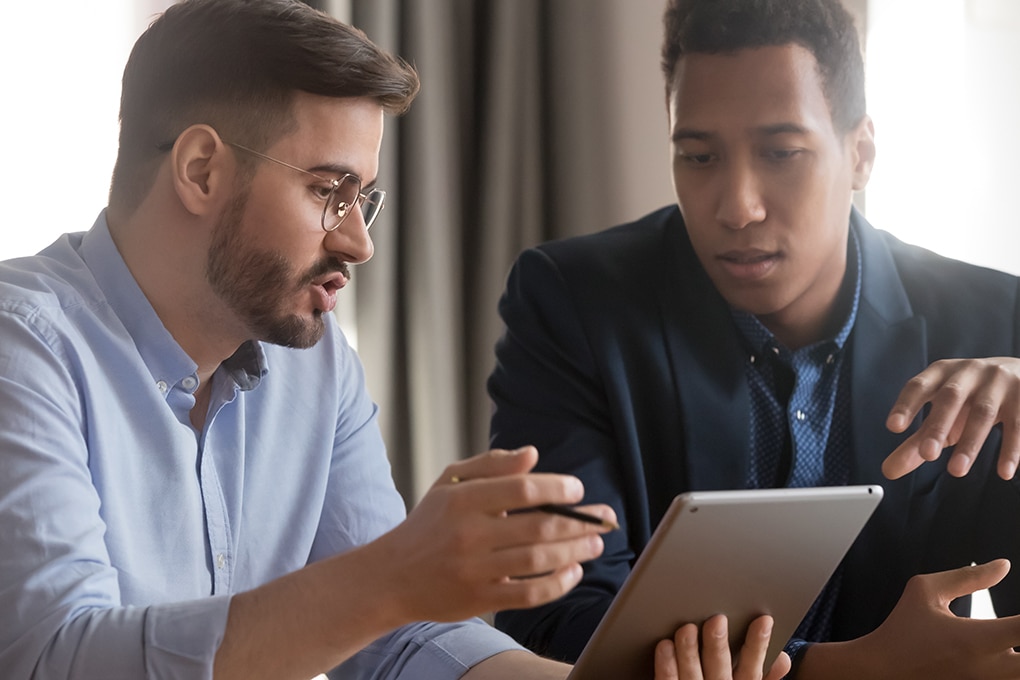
341	195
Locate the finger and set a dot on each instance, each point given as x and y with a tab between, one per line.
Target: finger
949	585
715	649
914	395
498	495
1009	454
687	656
526	593
543	525
780	667
949	405
494	463
904	459
603	512
751	659
527	561
980	415
666	662
918	449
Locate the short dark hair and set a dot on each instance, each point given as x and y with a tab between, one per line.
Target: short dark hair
236	65
824	27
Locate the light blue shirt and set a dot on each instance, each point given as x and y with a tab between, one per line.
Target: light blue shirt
124	532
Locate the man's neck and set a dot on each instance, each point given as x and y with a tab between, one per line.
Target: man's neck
170	272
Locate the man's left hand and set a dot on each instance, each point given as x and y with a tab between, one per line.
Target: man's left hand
968	398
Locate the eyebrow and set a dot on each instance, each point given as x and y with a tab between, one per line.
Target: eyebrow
682	134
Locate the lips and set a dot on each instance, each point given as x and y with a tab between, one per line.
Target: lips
327	290
749	264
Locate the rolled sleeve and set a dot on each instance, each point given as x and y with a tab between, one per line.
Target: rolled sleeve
427	650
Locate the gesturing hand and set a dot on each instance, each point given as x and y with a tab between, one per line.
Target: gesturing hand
968	397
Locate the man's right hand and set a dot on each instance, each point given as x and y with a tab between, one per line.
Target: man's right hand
463	551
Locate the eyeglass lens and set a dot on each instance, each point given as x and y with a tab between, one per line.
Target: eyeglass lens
345	197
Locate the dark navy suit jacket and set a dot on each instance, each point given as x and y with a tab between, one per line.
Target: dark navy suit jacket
621	363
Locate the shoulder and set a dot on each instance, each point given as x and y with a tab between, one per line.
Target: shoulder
967	309
44	290
627	256
641	238
931	279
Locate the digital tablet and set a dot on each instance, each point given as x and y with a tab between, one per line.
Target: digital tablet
741	553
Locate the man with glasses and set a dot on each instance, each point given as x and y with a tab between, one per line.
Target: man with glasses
193	481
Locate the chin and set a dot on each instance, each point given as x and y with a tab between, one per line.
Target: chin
294	331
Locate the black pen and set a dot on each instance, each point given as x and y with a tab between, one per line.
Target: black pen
564	511
561	510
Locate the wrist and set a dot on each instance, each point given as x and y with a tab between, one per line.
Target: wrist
796	650
833	661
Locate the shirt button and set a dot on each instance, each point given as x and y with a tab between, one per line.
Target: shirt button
753	359
162	386
801	415
189	383
221	561
829	359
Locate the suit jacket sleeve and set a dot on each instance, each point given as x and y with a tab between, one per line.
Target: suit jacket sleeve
546	384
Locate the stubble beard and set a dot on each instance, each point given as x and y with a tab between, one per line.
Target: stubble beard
259	285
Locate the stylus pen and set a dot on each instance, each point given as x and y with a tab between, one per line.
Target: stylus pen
564	511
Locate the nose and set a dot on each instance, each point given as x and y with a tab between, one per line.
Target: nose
741	203
351	241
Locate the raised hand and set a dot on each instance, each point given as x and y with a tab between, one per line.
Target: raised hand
968	397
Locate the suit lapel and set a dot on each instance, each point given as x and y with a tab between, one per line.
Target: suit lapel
707	365
888	348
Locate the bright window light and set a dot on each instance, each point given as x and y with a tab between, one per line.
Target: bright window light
945	105
62	81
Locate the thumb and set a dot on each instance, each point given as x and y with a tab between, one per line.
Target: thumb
955	583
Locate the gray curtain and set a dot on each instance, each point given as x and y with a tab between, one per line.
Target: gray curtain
537	120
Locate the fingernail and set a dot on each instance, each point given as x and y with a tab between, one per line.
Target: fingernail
960	465
1008	470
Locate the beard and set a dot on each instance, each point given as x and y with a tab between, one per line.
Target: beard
260	285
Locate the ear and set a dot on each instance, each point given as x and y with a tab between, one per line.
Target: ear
862	149
202	170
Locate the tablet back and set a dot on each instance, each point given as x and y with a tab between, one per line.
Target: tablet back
742	553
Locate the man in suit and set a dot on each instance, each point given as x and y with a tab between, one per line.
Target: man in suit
761	333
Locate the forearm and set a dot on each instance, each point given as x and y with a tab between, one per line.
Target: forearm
829	661
309	621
